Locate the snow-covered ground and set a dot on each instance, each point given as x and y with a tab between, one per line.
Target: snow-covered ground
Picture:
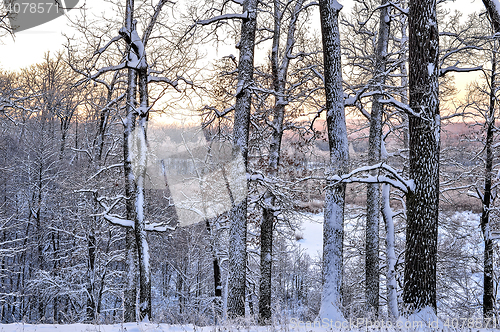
312	233
146	327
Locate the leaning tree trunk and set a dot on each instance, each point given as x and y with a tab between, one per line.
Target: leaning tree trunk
238	226
488	293
333	227
374	148
422	201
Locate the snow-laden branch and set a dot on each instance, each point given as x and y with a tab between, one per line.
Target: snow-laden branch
158	227
105	47
444	71
393	177
224	17
100	72
105	169
402	106
117	221
172	83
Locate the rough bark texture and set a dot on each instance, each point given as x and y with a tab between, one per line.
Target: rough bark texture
374	149
488	286
91	303
422	202
217	275
140	227
130	296
333	228
392	295
493	13
238	226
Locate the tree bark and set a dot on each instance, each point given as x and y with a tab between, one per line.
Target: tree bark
130	293
374	149
139	222
333	227
423	201
91	303
488	281
238	223
493	13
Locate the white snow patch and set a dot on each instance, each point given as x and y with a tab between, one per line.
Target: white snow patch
337	6
312	233
430	68
422	320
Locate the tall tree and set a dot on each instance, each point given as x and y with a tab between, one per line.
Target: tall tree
488	197
424	127
242	108
374	153
279	67
333	227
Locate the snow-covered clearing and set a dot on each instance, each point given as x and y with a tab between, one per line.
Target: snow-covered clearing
147	327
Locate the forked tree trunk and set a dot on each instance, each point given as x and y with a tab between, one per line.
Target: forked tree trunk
238	223
333	227
422	202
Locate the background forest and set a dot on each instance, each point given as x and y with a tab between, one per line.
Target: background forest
148	173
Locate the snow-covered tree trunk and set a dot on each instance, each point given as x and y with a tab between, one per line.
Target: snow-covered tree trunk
130	293
392	295
488	280
130	192
424	126
493	8
279	72
374	148
333	227
238	224
140	227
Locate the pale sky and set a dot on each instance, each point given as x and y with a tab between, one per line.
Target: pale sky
29	46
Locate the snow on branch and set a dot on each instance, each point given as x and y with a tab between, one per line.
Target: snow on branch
402	106
444	71
105	169
117	221
393	177
224	17
158	227
105	47
100	72
172	83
